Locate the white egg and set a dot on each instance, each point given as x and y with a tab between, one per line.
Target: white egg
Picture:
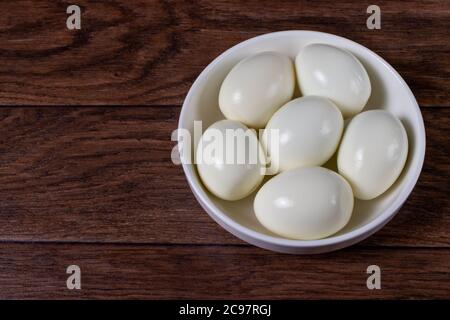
304	132
256	87
305	203
372	153
230	160
333	73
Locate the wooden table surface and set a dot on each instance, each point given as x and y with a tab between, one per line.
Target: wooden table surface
86	176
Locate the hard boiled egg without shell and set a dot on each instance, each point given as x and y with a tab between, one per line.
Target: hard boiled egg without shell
373	153
308	132
305	203
229	169
333	73
257	87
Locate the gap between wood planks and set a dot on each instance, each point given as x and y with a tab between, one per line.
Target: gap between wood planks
139	106
235	245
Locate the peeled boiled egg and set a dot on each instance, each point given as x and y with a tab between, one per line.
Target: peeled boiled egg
304	132
330	72
256	87
305	203
372	153
230	160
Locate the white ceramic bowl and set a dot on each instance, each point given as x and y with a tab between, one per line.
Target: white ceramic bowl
389	91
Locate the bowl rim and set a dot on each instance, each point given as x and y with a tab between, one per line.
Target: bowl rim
358	233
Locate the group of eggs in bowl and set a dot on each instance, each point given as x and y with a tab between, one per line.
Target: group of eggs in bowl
324	123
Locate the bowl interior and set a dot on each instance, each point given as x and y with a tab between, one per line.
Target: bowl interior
389	92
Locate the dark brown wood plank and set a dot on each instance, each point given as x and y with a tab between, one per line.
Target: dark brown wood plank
104	174
208	272
149	52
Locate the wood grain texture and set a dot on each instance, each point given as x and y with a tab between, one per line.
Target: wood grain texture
85	171
104	174
218	272
149	52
